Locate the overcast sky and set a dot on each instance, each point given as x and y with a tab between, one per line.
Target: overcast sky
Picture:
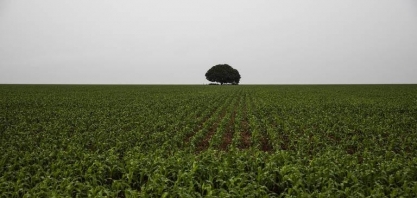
176	42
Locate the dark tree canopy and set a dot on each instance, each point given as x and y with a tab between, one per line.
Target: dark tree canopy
223	73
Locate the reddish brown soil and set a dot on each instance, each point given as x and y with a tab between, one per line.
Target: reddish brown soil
228	136
204	144
284	145
246	135
197	128
227	139
266	145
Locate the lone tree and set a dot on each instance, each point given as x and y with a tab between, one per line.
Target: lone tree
223	73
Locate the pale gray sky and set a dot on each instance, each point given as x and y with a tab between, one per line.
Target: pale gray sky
176	42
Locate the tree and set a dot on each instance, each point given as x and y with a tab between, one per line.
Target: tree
223	73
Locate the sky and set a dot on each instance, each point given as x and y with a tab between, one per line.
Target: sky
176	42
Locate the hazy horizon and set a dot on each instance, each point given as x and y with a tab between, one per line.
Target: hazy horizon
176	42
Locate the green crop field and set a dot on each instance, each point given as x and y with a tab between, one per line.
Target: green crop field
208	141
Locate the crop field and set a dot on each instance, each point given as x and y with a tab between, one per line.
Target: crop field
208	141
